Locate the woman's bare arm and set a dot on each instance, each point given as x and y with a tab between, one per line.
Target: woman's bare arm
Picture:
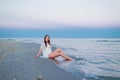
39	52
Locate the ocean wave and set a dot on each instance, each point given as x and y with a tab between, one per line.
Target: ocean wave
73	49
108	41
77	58
92	77
96	62
109	69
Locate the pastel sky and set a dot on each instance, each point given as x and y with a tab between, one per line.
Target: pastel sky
59	13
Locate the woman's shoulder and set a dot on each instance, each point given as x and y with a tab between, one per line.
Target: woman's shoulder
42	45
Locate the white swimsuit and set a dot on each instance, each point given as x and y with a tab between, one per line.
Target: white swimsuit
46	50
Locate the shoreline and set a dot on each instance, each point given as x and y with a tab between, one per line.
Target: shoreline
17	62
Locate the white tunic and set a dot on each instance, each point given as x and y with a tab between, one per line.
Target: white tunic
46	50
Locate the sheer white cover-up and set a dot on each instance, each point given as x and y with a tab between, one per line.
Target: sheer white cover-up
46	50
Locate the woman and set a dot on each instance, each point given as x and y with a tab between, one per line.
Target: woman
47	52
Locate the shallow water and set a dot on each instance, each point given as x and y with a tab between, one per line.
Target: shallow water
98	59
94	58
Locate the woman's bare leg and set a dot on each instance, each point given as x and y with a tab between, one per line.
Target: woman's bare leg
58	52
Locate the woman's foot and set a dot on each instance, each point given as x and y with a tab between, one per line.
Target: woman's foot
69	59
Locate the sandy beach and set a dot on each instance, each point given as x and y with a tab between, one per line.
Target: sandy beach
17	62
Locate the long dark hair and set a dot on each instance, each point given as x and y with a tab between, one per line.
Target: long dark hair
46	41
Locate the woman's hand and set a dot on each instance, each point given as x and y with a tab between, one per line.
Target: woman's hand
36	56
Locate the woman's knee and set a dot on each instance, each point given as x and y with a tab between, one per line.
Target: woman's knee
59	49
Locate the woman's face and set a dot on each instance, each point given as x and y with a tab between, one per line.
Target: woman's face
47	39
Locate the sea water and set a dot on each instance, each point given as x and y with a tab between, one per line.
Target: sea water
93	58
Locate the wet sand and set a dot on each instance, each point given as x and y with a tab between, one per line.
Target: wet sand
17	62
